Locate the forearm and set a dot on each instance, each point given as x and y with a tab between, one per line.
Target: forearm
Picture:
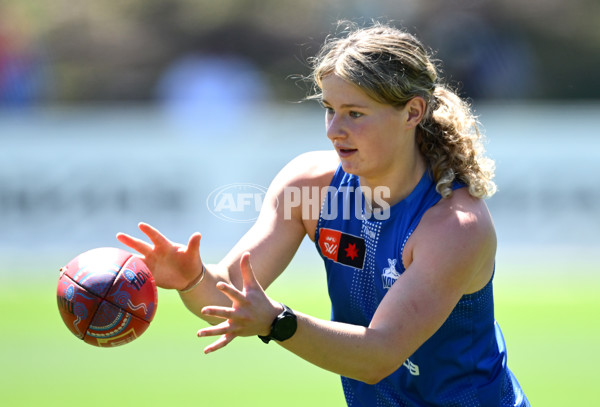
353	351
205	292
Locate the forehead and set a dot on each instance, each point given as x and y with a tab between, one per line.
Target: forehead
336	89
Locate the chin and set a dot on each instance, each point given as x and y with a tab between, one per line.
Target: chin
349	169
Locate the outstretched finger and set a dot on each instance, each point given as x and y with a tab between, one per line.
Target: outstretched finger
220	329
154	235
219	312
139	245
230	291
220	343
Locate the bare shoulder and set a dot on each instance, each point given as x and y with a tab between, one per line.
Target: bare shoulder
280	228
459	231
461	211
296	191
315	168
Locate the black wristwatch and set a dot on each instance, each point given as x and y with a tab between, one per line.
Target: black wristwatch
284	326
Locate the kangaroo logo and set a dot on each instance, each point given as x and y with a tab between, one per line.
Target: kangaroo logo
390	275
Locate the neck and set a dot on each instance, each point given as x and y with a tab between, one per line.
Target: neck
399	181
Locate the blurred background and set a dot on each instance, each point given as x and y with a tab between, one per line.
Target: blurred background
114	112
118	111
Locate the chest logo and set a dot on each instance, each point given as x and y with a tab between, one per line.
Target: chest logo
342	247
390	274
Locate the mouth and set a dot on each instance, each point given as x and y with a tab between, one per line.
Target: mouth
345	152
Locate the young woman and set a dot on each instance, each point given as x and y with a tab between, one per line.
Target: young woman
406	238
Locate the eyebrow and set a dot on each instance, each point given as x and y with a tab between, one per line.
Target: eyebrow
346	105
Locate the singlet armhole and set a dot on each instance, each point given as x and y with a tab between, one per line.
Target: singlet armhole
408	235
335	180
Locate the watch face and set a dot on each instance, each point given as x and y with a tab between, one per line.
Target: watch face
285	327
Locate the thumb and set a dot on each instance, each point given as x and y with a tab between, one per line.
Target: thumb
194	243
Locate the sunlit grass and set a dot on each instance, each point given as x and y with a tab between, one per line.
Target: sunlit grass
550	321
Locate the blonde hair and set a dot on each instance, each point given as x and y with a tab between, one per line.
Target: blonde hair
392	67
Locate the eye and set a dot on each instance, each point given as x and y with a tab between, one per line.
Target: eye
355	115
328	110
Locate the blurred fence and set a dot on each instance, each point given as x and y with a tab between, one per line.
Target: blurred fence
71	178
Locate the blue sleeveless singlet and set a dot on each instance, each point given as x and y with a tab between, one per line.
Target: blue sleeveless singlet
464	362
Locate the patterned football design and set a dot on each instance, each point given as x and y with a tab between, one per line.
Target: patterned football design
106	296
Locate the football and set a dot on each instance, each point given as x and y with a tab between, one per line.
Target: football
106	296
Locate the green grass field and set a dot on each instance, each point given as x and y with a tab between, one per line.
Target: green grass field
550	323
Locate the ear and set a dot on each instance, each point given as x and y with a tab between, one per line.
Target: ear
415	110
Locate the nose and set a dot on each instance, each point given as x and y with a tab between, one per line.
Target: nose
335	127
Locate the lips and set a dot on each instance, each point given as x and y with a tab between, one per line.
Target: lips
345	152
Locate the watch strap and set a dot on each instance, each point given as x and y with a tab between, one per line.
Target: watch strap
287	313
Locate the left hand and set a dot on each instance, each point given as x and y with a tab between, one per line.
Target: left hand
173	265
251	313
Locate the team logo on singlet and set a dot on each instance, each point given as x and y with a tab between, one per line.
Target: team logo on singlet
390	274
412	368
342	247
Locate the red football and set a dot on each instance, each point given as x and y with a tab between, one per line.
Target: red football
106	296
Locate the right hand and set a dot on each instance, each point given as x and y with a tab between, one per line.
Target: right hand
251	311
173	265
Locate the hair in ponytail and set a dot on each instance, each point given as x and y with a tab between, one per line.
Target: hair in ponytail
450	140
392	67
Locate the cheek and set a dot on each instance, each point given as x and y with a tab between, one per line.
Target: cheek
363	129
371	132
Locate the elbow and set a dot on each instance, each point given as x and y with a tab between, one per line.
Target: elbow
375	374
379	365
373	378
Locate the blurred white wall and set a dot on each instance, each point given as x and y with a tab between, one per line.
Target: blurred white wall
70	179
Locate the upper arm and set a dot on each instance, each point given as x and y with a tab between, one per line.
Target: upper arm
280	228
451	254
